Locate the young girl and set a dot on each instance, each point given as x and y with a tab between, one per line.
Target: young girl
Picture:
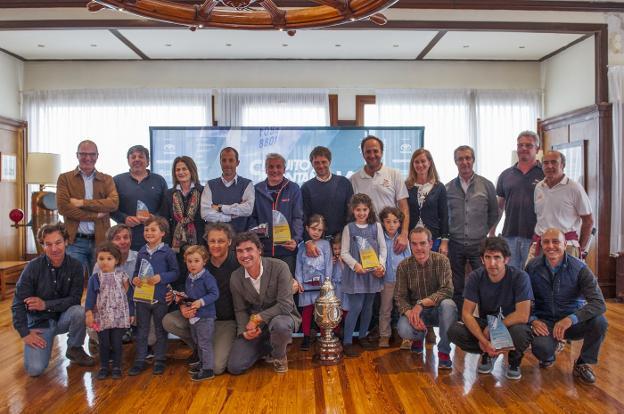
202	292
391	219
165	265
107	309
311	273
360	284
337	272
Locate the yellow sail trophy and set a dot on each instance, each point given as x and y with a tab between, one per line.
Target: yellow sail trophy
145	292
368	255
281	229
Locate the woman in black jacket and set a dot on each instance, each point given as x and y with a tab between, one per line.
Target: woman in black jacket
427	199
181	208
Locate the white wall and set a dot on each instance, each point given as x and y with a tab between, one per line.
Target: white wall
11	76
346	78
568	79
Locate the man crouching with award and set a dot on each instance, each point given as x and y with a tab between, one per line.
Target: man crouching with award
266	315
503	294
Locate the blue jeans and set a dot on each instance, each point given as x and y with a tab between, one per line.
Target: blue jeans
83	250
72	322
203	332
273	341
443	316
145	313
591	331
360	306
519	251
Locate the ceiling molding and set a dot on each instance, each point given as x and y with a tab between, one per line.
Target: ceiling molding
16	56
431	44
129	44
537	27
556	52
528	5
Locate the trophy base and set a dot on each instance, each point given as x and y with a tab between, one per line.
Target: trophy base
329	351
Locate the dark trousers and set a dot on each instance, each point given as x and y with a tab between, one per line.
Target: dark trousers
591	331
110	346
459	255
144	313
521	336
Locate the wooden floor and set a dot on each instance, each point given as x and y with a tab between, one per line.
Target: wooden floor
383	381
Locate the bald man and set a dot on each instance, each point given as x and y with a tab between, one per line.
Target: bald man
568	305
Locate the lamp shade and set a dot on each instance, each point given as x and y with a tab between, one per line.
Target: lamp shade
42	168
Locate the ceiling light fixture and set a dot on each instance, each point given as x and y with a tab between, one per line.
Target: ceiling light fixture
251	14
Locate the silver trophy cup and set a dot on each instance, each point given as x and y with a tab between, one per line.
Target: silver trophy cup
327	315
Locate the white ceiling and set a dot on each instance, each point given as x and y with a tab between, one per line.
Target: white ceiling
499	45
306	44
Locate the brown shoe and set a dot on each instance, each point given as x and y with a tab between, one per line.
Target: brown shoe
368	343
384	342
350	351
585	373
406	344
431	336
79	356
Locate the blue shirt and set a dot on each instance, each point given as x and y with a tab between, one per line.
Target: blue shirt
513	288
393	259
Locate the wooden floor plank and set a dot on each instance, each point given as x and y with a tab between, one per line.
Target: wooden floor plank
379	382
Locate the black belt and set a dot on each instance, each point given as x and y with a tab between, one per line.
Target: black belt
85	236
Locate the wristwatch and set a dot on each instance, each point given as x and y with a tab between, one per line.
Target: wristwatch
419	302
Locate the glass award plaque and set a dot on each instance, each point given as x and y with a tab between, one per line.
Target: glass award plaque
499	334
142	211
281	229
145	292
368	255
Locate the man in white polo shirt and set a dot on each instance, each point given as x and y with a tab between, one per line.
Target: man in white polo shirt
562	203
385	186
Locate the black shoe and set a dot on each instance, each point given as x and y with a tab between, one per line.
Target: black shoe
159	368
79	356
194	369
102	373
305	344
137	368
368	343
150	353
193	359
546	364
204	374
585	373
116	373
350	351
127	337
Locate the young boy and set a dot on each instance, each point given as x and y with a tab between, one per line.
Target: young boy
202	291
165	265
391	220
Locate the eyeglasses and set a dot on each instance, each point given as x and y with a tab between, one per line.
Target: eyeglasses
87	154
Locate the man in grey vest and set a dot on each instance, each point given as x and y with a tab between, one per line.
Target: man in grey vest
229	198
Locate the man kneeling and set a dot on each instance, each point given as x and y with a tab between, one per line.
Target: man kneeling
266	315
496	288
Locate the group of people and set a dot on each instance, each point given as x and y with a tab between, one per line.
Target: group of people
397	252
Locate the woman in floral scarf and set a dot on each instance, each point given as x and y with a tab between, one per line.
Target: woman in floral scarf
181	207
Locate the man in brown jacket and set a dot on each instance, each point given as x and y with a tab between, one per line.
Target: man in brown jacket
85	197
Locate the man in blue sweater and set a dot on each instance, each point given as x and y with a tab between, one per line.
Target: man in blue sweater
568	305
139	184
326	194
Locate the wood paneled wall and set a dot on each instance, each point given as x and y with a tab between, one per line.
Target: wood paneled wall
592	123
13	193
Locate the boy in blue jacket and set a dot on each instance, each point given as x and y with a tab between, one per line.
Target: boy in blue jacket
165	265
202	293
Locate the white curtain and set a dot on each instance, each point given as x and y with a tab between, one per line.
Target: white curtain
445	114
114	118
500	116
273	107
488	121
616	97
